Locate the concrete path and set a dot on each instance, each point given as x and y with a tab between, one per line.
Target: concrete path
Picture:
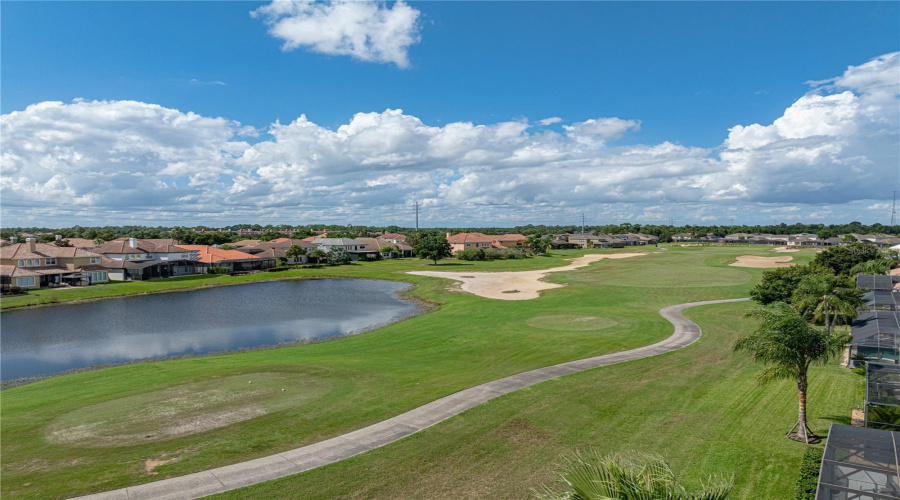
396	428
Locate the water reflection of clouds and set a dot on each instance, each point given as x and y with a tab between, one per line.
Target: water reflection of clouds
40	354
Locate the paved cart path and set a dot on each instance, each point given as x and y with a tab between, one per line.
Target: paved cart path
396	428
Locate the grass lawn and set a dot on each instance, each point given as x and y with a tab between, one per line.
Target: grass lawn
699	407
79	433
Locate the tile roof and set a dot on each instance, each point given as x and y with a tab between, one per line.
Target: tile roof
81	242
211	255
42	250
470	238
336	241
246	243
285	243
17	271
510	237
123	245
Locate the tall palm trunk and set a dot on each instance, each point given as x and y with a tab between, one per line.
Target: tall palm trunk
803	431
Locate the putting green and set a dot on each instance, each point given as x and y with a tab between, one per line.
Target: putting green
182	410
570	322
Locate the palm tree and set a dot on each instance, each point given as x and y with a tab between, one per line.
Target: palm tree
825	297
787	345
295	251
629	476
876	266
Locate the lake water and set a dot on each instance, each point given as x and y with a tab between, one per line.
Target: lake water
52	339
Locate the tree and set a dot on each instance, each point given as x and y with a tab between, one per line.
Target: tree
431	245
787	345
62	243
295	252
778	285
825	297
538	244
841	259
825	234
388	250
318	254
338	255
849	238
877	266
630	476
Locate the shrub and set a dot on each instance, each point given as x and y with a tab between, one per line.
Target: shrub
471	254
809	474
218	270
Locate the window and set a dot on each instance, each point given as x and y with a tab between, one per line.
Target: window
97	276
95	260
27	281
28	263
21	262
51	261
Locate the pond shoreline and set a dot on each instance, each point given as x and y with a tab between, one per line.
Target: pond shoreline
420	307
190	289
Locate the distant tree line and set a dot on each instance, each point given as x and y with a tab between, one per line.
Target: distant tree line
203	235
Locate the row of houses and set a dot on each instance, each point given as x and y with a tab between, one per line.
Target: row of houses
80	262
799	240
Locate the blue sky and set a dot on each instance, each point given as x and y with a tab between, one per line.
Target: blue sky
646	97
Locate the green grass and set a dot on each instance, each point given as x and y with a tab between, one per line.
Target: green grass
361	380
699	407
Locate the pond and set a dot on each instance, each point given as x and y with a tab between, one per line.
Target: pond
48	340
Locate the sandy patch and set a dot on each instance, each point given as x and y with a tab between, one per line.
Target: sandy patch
785	249
762	262
517	285
151	464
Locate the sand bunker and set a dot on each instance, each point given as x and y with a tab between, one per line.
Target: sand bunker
785	249
762	262
517	285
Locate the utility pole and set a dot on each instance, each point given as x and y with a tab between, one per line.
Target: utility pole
732	220
672	221
582	222
417	216
894	209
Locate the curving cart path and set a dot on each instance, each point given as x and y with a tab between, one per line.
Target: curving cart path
393	429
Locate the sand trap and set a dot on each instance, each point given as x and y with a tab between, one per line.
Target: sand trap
517	285
786	249
762	262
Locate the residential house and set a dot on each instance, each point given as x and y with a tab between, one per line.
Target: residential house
143	259
234	260
510	240
632	239
35	265
595	240
277	249
394	238
469	241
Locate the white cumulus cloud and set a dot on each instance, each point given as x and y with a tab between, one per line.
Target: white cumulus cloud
366	30
837	145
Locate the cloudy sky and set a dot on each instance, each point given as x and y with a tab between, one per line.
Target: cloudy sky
501	113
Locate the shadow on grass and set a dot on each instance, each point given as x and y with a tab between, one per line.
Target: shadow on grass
838	419
451	264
